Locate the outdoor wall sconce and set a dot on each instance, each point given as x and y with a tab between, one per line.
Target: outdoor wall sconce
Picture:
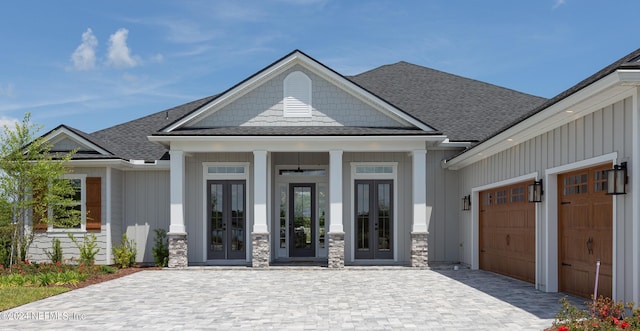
535	191
617	179
466	202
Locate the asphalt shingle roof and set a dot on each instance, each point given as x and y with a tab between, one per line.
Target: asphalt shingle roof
464	109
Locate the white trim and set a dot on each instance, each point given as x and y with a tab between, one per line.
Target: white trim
551	218
108	189
310	64
177	188
54	136
225	176
475	212
336	200
83	207
355	176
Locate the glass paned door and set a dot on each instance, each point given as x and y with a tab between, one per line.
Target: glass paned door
302	220
374	219
226	219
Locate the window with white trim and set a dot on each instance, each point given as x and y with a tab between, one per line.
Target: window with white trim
297	95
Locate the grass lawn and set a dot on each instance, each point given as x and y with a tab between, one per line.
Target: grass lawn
15	296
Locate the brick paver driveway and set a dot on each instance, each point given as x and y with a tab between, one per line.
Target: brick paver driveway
295	299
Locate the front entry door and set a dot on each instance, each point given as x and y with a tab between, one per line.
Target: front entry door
302	217
374	219
226	219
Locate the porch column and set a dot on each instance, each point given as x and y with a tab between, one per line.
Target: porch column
419	231
177	235
336	230
260	252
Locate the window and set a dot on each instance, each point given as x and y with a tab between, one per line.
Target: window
297	95
87	199
65	217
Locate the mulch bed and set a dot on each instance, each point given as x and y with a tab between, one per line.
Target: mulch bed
99	278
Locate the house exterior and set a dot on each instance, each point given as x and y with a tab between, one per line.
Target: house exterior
299	163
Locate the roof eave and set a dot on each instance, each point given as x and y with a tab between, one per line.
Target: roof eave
620	83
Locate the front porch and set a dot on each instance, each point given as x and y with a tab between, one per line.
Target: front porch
298	207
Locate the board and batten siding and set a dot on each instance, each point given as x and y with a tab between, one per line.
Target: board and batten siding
146	207
605	131
194	199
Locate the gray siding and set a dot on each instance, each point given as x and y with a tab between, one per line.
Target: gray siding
602	132
146	207
332	106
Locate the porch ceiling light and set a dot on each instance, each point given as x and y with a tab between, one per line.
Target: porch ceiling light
535	191
466	202
617	179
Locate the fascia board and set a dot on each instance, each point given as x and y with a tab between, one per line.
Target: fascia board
119	164
297	143
552	117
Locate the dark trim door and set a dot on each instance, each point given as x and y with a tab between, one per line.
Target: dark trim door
374	219
302	220
226	219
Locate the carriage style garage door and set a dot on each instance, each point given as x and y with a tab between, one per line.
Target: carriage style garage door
585	224
507	232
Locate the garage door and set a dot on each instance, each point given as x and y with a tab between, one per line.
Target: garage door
507	232
585	223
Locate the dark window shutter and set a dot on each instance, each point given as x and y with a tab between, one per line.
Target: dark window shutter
94	203
38	224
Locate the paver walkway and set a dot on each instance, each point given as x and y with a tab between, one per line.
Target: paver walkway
295	299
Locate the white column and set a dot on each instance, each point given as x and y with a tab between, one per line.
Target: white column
335	191
420	217
176	185
634	199
260	192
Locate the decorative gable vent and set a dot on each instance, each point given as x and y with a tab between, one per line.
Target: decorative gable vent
297	95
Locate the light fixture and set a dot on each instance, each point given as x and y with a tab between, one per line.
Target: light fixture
466	202
535	191
617	179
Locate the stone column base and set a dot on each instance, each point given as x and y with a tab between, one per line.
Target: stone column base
336	250
261	250
177	250
419	250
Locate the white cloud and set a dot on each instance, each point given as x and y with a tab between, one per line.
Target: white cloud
10	122
84	57
119	54
159	58
559	3
7	90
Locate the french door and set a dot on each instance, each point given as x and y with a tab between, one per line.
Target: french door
226	213
302	224
374	219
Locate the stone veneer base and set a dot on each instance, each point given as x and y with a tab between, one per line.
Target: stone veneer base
261	250
419	250
336	250
177	250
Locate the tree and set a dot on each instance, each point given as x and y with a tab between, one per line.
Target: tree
32	183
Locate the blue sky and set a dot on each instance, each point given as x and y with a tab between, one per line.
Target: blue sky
94	64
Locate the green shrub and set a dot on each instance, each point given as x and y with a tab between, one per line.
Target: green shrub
56	251
161	248
88	248
125	254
